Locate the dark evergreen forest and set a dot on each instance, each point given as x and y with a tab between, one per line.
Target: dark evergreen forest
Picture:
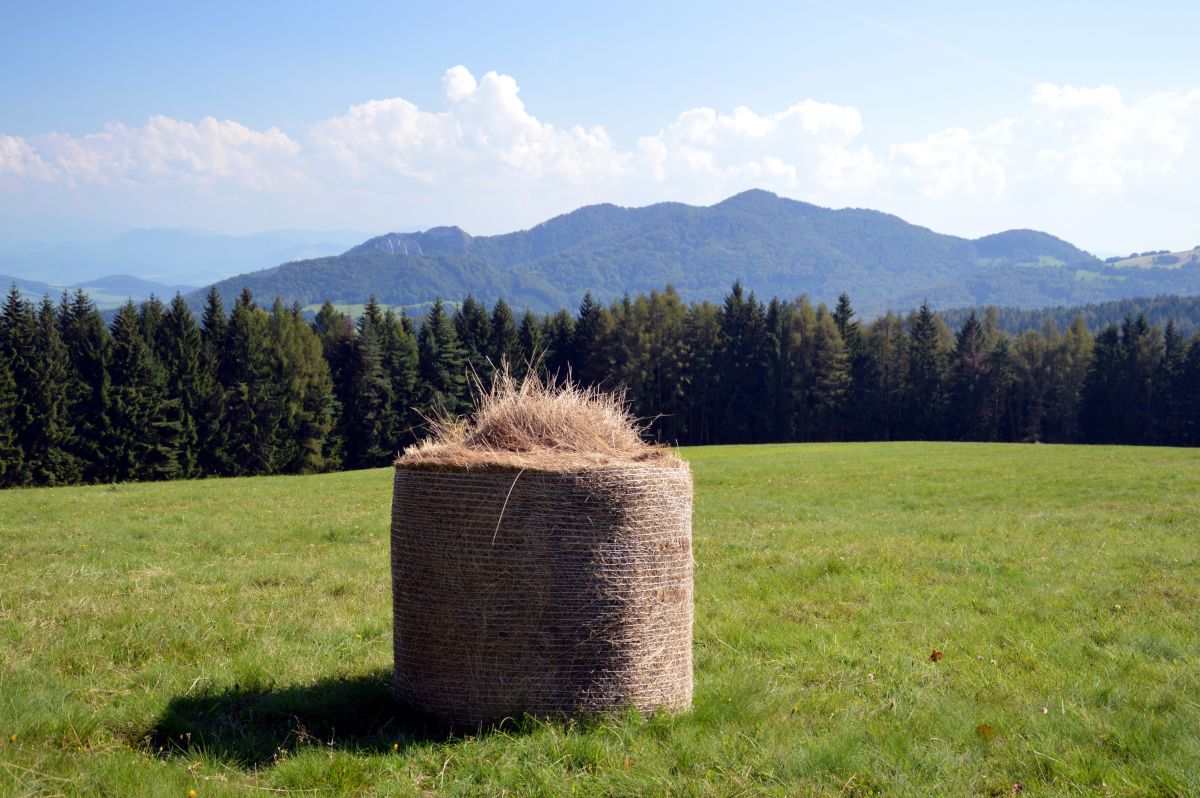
159	394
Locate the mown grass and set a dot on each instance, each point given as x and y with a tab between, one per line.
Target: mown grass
232	637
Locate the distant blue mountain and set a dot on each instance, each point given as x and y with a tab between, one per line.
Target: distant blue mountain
107	292
187	257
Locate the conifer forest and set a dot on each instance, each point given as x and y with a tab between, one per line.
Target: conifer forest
160	394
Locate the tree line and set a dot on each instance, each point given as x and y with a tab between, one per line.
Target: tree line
160	394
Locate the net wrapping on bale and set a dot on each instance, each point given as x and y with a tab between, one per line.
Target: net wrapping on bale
550	580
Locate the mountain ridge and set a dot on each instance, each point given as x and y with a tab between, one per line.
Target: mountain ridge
774	245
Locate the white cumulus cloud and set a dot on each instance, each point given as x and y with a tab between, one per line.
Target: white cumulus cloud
162	150
483	159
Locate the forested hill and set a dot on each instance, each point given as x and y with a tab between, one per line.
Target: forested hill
780	246
1184	311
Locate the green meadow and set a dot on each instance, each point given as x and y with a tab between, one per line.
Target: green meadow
232	637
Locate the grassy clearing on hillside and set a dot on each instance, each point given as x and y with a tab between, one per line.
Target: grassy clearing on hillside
233	636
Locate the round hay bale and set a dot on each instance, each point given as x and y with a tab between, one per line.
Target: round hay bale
537	580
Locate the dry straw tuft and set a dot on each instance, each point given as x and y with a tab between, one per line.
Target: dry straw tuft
536	424
542	562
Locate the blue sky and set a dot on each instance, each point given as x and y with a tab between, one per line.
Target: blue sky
1077	118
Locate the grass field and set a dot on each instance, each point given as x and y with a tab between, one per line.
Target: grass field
232	637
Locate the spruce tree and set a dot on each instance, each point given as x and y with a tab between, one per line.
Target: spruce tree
970	386
884	393
627	349
305	390
783	374
743	368
504	343
1169	395
533	349
212	456
848	328
88	346
558	333
400	367
442	364
335	331
1101	410
189	384
589	349
474	331
1143	354
368	400
830	378
702	357
143	433
253	402
1031	383
150	316
50	437
10	454
666	369
18	329
1188	390
925	385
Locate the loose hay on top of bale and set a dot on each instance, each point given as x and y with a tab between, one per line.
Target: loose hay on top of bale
542	562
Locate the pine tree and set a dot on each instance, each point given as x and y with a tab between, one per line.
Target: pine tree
442	364
143	435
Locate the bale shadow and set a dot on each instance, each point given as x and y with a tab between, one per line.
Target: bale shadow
255	726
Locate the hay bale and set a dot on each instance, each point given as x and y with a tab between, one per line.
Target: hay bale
542	562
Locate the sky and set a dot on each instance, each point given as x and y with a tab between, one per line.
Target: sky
1078	118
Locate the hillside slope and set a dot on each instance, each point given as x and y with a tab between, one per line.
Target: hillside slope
775	246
